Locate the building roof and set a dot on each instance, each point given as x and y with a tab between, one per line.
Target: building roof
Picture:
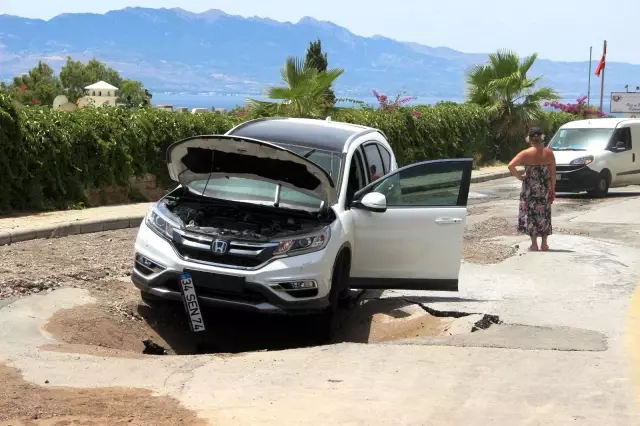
101	85
318	134
599	123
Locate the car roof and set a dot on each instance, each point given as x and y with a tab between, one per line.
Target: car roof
600	123
314	134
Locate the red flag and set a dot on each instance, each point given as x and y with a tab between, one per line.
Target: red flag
603	62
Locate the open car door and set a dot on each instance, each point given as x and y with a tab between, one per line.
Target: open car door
409	226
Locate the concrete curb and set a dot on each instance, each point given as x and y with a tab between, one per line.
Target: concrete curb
71	228
492	176
98	225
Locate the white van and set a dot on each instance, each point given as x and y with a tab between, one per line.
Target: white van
597	154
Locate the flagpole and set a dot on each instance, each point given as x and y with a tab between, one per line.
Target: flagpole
604	55
589	89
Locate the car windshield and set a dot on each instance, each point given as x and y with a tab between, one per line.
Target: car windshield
329	161
580	139
248	190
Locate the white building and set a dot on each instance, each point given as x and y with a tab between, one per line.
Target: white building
99	94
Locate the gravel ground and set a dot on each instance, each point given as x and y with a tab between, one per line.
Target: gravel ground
477	247
82	261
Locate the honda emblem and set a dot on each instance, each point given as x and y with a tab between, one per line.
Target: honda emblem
220	247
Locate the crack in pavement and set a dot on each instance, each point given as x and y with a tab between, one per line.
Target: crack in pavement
484	323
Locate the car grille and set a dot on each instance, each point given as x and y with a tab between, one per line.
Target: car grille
568	168
241	254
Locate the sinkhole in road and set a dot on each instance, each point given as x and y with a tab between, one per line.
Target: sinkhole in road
164	328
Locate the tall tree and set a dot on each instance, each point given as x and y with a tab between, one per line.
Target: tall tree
304	93
75	76
39	86
318	60
132	94
504	89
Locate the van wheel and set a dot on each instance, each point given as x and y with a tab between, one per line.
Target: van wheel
326	322
602	186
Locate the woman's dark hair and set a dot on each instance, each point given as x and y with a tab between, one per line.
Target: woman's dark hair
535	135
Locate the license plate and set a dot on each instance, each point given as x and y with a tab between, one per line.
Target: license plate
191	305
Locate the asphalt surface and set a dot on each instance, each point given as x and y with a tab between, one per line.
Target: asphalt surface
567	350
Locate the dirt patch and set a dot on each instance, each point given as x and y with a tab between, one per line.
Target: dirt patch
384	320
94	325
76	261
118	324
22	403
477	210
478	249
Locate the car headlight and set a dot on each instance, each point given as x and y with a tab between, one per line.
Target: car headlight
306	244
160	223
582	161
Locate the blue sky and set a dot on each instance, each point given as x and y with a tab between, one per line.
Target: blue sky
556	29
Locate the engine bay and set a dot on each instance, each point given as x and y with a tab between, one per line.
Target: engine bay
243	221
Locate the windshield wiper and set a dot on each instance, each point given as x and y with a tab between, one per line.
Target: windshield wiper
309	153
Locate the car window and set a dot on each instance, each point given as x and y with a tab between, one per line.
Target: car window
386	158
375	168
588	139
622	134
356	179
428	184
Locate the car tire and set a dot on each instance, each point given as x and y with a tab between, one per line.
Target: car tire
326	322
602	186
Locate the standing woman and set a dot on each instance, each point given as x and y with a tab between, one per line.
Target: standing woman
538	189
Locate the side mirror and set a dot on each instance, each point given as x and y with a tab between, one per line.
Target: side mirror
621	146
373	202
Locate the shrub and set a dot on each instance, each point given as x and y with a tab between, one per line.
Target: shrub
51	157
48	159
430	132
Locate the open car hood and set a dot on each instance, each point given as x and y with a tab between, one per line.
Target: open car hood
221	155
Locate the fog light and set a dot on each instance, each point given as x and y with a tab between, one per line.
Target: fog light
149	264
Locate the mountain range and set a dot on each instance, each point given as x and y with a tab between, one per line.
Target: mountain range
173	50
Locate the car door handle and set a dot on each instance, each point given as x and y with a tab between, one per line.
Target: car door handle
448	220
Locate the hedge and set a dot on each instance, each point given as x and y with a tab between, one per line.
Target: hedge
48	159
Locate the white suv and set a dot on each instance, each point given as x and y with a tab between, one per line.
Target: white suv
285	215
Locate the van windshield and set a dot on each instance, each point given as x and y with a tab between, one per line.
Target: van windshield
580	139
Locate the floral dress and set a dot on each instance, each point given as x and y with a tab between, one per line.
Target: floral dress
535	201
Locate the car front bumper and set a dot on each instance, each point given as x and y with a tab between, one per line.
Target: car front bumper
577	180
253	290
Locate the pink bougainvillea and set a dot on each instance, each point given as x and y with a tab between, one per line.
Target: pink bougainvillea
580	108
385	104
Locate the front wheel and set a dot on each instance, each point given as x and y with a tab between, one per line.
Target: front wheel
602	186
326	322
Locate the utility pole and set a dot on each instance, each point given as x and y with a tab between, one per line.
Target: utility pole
589	88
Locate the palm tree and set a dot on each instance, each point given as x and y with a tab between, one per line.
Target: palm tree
503	88
304	93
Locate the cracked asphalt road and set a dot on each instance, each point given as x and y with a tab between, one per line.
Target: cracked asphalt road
565	352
